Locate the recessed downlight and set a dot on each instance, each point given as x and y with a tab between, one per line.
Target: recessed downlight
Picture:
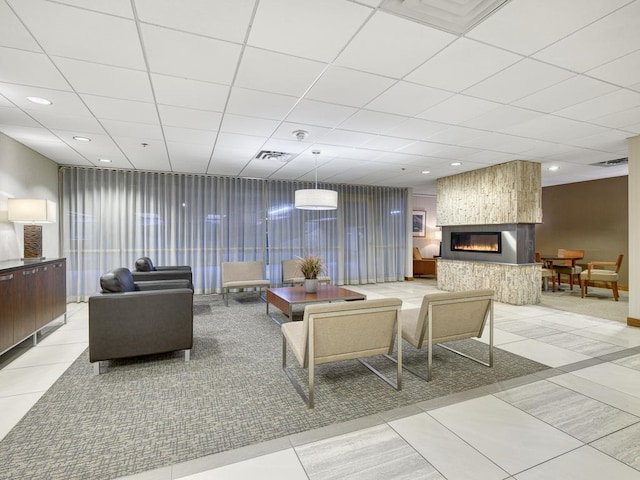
456	164
105	160
81	139
40	100
425	172
554	168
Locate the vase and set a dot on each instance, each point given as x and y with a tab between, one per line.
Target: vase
310	285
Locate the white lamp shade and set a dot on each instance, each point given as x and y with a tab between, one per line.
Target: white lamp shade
31	210
316	199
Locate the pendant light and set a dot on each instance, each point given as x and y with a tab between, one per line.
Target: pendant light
314	198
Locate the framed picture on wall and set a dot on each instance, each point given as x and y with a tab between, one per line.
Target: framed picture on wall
419	223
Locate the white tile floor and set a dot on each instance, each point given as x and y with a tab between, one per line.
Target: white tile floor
579	420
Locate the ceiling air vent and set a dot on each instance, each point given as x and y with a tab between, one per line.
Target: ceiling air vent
612	163
271	155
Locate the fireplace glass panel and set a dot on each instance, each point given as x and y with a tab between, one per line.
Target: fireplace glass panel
485	242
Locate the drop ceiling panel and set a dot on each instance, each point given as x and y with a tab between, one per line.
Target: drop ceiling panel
248	125
15	116
13	33
423	148
152	157
501	117
610	141
307	28
82	34
458	109
190	135
348	87
226	20
385	143
189	56
368	121
277	73
623	71
220	165
104	80
100	146
261	168
285	145
613	102
121	8
570	92
124	110
403	47
286	129
321	114
259	104
462	64
246	143
182	92
63	103
29	68
61	154
623	119
519	80
189	157
415	129
554	129
453	134
347	138
117	128
82	125
601	42
408	99
189	118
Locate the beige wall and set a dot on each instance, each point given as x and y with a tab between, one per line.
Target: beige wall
590	216
25	173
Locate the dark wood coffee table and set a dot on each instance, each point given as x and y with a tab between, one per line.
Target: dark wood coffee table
285	298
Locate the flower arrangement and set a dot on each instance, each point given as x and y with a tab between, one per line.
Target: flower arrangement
310	266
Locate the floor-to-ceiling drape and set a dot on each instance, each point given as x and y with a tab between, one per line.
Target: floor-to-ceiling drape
112	217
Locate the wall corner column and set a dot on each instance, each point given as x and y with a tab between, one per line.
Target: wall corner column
633	146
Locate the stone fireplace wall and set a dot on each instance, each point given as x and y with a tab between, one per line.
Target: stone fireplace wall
510	193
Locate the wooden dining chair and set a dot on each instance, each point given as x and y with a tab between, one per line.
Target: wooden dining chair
546	274
569	267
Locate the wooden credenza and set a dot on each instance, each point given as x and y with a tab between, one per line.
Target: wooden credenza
32	294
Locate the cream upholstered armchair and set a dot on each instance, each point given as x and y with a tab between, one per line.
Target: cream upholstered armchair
601	272
292	275
444	317
332	332
242	275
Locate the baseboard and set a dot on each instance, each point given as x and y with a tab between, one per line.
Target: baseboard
408	279
633	322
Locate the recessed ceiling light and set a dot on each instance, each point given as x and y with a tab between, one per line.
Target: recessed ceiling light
39	100
425	171
82	139
105	160
554	168
456	164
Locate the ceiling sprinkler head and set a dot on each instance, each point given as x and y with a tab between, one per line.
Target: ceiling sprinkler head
300	134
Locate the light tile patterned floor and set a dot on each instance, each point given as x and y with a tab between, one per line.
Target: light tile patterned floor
580	420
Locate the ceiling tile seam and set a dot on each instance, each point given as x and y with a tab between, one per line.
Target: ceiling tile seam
71	89
84	8
231	87
151	86
305	93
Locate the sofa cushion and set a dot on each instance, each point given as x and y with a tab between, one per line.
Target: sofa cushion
144	264
117	281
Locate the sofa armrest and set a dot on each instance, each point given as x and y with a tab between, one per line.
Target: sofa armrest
181	268
163	285
162	275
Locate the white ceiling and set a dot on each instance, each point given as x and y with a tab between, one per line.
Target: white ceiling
202	86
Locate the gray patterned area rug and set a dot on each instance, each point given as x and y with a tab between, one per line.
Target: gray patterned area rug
148	412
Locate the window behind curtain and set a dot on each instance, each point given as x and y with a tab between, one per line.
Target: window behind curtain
112	217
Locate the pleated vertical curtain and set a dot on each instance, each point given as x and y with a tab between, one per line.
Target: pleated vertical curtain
112	217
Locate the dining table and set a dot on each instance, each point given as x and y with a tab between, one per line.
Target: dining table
549	259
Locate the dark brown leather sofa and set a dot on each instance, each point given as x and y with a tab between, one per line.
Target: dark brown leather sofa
128	318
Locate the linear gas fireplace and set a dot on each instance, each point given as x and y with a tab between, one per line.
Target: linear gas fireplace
486	242
505	243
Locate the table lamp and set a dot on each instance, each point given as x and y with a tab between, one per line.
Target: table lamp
32	213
